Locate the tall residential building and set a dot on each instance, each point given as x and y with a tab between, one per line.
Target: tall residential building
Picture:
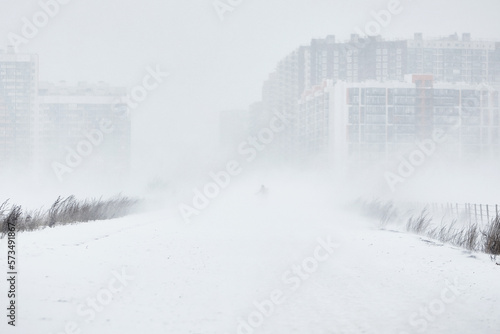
452	59
18	91
84	129
448	59
378	121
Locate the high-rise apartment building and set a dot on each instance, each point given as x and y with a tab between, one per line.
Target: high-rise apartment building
452	60
376	121
83	128
18	91
448	59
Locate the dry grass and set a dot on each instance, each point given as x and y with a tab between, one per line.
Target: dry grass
471	237
385	212
420	223
65	211
481	238
491	237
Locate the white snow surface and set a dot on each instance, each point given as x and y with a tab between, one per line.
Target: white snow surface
206	277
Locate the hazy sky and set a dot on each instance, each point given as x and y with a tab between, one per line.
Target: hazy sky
214	64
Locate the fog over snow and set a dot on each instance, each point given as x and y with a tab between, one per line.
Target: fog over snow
299	166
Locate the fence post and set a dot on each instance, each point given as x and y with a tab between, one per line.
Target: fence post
488	212
475	211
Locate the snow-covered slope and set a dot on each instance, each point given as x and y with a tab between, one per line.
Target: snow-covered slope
279	264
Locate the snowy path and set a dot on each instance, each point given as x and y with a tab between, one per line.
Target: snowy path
197	279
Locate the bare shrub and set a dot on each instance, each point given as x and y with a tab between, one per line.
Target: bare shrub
491	238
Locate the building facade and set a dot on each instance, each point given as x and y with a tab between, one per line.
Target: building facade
83	129
369	122
370	86
18	92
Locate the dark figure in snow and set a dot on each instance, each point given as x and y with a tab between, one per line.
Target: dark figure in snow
263	190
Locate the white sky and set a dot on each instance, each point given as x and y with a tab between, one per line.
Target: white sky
214	65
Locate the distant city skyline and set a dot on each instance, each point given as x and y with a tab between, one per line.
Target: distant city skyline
55	130
404	88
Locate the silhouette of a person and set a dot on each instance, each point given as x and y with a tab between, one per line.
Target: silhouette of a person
263	190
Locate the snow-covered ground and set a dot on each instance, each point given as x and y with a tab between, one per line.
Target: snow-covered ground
248	264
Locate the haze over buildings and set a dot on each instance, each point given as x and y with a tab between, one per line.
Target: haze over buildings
231	166
84	127
368	99
18	93
58	131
